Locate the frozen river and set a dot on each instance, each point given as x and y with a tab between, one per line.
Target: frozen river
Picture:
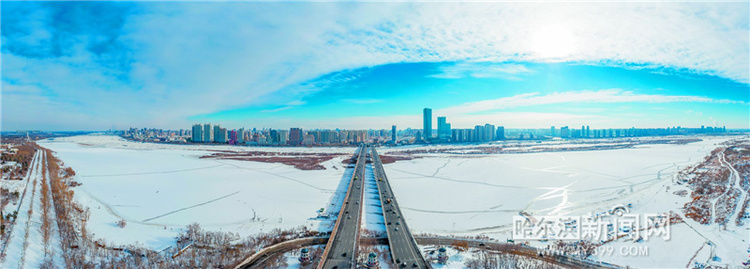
160	188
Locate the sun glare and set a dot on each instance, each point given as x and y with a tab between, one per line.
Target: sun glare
553	42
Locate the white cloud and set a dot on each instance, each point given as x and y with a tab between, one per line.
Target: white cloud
196	58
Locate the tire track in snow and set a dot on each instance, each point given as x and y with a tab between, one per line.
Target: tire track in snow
29	223
189	207
277	175
156	172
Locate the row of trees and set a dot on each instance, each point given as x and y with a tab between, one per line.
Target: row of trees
46	207
70	216
493	260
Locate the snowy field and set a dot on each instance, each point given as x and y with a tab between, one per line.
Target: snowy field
466	195
160	188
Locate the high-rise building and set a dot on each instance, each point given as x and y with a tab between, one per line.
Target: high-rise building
240	135
217	136
478	134
295	136
444	129
552	131
489	132
500	133
197	133
564	132
427	122
233	136
208	133
393	133
281	137
220	134
309	139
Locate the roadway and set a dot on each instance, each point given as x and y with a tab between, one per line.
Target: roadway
261	259
404	249
341	250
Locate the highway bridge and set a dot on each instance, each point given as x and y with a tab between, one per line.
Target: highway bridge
404	250
341	250
342	245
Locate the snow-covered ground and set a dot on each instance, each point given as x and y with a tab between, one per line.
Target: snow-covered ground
453	194
160	188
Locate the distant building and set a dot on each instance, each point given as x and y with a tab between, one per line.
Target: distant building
500	133
489	133
208	134
427	122
552	131
233	136
564	132
220	134
393	133
328	137
478	134
197	133
444	129
240	136
282	137
309	139
295	136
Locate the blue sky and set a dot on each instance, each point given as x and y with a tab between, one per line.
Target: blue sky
101	65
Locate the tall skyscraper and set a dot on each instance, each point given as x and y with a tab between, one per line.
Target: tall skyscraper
197	133
393	133
427	120
552	131
208	133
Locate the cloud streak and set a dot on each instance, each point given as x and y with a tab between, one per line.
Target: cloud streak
608	96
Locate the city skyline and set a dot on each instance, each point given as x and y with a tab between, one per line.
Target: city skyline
97	66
